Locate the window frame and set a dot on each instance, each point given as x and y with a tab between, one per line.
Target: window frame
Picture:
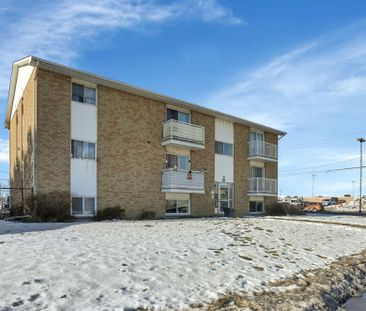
221	146
256	133
176	208
178	113
83	198
85	150
256	207
92	102
178	157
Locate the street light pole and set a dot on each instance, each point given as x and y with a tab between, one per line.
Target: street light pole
312	186
361	140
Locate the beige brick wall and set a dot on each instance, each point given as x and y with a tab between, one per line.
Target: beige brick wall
130	154
53	140
21	144
203	204
241	169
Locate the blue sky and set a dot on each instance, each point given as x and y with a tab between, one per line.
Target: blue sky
296	65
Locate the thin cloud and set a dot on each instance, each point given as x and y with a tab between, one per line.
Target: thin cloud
320	77
61	31
4	150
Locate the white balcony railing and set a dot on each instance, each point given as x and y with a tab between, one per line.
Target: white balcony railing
183	132
262	186
177	180
262	149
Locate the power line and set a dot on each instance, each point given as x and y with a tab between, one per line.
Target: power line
320	141
321	165
322	171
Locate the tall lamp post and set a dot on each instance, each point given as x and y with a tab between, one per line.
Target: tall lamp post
361	140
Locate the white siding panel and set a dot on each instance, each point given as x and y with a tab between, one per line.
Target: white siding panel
84	177
224	131
24	74
84	122
224	166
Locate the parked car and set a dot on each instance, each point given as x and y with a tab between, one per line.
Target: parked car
325	202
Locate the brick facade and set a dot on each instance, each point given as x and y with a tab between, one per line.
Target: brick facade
53	128
204	204
130	154
241	169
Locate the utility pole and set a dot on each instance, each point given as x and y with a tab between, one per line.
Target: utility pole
353	188
361	140
312	186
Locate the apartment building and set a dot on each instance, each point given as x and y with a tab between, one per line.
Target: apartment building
112	144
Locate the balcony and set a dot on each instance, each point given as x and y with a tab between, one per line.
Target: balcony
262	186
181	134
262	151
177	180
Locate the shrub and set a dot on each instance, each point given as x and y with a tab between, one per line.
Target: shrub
50	206
16	210
276	209
148	215
110	213
295	210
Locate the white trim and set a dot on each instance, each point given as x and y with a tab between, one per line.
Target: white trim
180	143
182	191
262	158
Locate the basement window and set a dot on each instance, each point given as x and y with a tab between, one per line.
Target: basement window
255	207
177	207
83	94
83	206
82	150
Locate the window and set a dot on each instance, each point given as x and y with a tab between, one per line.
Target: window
256	136
177	207
77	206
223	148
257	172
255	207
83	206
177	162
82	150
83	94
178	115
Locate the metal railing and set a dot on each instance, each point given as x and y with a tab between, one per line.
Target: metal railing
262	185
177	130
177	179
262	149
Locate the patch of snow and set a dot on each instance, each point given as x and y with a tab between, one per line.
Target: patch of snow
161	264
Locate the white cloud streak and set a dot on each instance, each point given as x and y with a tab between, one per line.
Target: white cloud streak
304	84
61	31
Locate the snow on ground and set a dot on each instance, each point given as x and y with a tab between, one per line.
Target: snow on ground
342	219
162	264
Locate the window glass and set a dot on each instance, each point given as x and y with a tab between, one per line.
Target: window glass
255	136
171	206
183	117
172	161
257	172
183	163
172	114
89	96
78	92
255	207
77	147
218	147
89	205
89	151
182	206
77	206
228	149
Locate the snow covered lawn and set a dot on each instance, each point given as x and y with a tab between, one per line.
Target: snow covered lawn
166	264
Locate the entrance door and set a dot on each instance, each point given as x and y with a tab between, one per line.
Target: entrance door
223	197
